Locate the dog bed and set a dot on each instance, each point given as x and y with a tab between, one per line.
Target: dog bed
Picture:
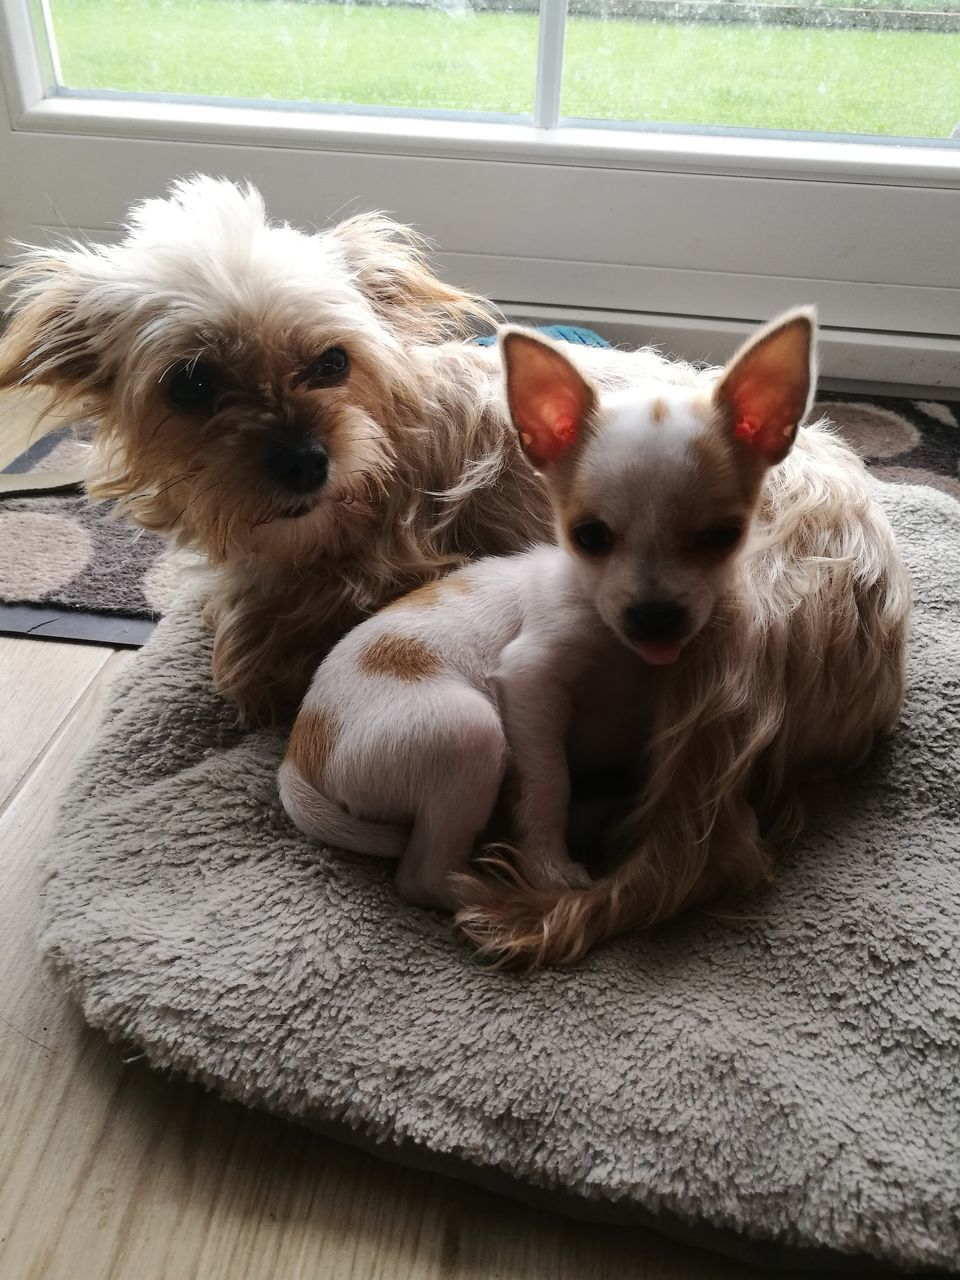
791	1075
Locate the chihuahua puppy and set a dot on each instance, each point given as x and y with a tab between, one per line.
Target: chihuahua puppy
750	563
543	659
283	402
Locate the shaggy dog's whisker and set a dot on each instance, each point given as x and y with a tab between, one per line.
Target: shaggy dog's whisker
196	498
171	484
163	421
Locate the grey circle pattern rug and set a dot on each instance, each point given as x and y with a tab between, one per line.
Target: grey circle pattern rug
61	549
791	1075
68	569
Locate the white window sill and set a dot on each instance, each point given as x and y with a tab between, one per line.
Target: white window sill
585	146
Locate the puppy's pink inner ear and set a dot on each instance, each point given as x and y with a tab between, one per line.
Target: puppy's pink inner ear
548	399
547	430
765	390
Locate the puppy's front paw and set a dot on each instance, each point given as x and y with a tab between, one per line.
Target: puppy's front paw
428	888
578	876
553	869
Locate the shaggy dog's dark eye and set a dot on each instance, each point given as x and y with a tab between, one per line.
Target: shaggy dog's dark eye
327	370
593	537
718	537
194	386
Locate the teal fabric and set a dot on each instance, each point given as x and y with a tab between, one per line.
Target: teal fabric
563	333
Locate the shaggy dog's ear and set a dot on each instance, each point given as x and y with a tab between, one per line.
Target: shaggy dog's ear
56	333
390	267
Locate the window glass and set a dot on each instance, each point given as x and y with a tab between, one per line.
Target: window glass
888	69
446	56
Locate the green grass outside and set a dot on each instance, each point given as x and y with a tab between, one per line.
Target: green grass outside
904	83
879	83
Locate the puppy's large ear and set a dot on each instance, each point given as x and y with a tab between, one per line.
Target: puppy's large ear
51	339
766	390
550	401
391	268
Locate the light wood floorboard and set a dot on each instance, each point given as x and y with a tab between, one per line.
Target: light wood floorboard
39	682
23	419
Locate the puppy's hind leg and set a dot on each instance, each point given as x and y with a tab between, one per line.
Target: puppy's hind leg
470	763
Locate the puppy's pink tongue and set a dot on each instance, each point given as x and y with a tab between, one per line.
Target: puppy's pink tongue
659	655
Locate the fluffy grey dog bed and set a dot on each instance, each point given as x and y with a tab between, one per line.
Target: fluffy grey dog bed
793	1076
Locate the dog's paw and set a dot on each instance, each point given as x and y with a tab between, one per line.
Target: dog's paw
574	875
552	870
429	888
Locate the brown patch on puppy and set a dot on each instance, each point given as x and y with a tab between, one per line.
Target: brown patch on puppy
311	741
402	657
420	598
659	412
432	593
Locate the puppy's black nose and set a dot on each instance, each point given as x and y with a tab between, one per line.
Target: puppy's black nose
656	621
299	467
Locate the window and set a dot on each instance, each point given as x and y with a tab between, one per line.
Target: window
401	56
671	169
873	68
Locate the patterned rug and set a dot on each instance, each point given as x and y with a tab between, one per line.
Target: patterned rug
69	571
902	441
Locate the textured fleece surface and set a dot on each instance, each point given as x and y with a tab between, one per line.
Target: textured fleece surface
793	1075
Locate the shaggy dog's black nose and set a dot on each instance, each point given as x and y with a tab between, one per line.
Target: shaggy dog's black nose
301	467
656	621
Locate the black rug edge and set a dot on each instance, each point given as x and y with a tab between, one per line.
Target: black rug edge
77	626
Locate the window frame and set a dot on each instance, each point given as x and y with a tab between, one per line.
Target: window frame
766	221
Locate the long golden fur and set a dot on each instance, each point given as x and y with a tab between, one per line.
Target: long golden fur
800	667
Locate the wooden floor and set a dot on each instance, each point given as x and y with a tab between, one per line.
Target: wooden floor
111	1172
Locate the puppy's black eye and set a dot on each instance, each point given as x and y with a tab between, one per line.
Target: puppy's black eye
327	370
194	386
593	537
718	537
